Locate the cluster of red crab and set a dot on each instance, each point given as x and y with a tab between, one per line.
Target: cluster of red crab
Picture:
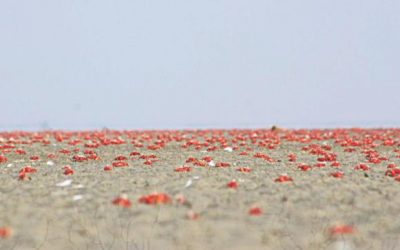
376	147
83	144
155	199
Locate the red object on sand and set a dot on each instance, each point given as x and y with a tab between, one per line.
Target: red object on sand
155	199
108	168
183	169
68	170
233	184
120	164
122	202
255	211
5	232
244	169
337	174
284	178
342	229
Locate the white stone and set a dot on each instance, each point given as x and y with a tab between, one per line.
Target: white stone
77	197
64	183
189	183
229	149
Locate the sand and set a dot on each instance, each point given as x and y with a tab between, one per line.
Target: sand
295	215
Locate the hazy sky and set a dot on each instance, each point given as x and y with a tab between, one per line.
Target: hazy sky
209	63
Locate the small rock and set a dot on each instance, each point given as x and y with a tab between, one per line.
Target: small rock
64	183
77	197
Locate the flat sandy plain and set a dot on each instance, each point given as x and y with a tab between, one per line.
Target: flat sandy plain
51	209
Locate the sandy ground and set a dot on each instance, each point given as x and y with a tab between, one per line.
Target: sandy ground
295	215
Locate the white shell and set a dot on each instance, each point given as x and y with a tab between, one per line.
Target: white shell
64	183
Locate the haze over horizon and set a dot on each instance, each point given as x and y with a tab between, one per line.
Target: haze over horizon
189	64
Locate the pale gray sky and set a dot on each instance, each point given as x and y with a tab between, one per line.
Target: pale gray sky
209	63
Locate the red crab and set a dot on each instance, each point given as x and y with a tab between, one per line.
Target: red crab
233	184
244	169
342	229
28	169
79	158
284	178
68	170
155	199
337	174
120	164
362	166
134	153
34	158
120	158
5	232
122	201
304	167
183	169
222	165
108	168
255	211
393	172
